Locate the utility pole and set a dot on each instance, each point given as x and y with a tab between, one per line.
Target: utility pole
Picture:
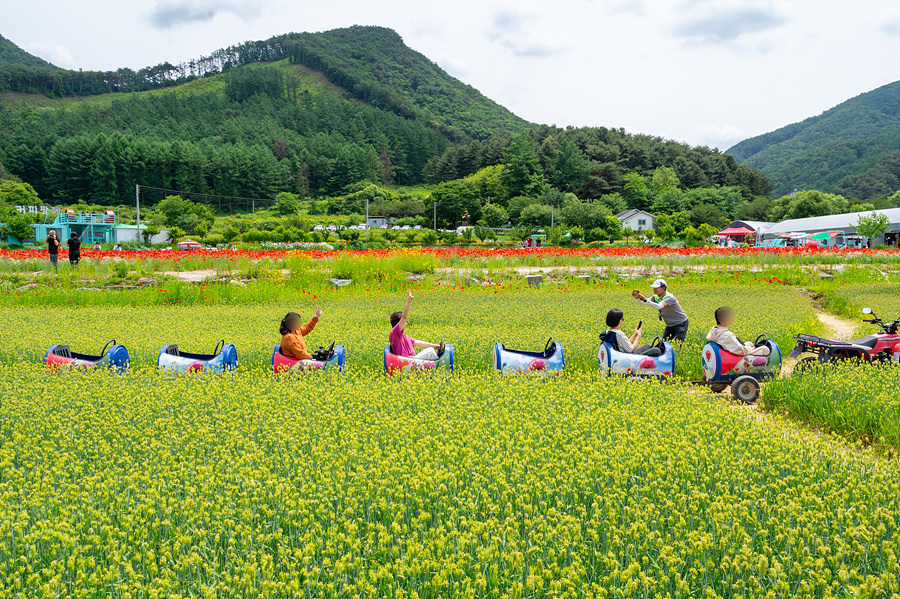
137	205
367	220
552	214
435	217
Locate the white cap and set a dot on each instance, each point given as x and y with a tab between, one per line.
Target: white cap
659	283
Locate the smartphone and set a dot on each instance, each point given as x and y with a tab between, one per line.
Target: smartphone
640	324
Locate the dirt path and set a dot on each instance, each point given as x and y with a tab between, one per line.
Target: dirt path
837	328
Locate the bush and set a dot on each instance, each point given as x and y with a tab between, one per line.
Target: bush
213	240
494	215
596	234
230	233
430	237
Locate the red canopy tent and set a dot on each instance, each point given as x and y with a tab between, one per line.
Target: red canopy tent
737	231
188	244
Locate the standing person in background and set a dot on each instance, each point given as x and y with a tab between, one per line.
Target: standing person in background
74	244
670	310
53	249
97	247
117	247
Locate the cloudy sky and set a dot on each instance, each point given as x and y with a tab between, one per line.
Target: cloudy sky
708	72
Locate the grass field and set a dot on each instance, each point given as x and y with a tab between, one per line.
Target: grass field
358	485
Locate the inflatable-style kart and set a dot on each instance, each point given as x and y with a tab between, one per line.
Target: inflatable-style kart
112	356
510	360
743	373
394	364
333	358
612	361
224	357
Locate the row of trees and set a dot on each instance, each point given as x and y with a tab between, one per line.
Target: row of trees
253	146
594	161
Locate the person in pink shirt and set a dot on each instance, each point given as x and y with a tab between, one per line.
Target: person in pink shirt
404	345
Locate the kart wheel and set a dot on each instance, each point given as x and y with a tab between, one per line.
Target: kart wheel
718	387
745	389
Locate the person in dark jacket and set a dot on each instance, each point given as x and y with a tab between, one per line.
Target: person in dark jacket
53	248
74	244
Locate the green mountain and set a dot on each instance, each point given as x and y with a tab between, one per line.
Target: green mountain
11	54
313	114
853	148
318	115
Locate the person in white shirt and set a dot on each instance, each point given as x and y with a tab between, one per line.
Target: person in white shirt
614	320
729	341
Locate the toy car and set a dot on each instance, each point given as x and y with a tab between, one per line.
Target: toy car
612	361
510	360
112	356
333	358
224	357
394	364
743	373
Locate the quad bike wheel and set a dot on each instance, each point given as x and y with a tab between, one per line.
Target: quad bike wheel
745	389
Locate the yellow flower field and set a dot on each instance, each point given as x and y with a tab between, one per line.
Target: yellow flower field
472	319
471	486
145	485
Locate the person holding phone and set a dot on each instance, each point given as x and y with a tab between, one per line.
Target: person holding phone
670	310
615	318
53	248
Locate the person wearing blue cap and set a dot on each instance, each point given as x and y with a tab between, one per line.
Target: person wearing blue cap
670	310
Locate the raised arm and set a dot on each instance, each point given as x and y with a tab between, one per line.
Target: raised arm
405	316
307	328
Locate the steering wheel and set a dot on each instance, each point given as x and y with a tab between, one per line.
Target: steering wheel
106	347
548	349
219	347
762	337
441	348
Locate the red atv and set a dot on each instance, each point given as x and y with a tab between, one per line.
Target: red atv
880	347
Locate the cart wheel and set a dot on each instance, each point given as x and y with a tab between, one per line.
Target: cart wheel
745	389
718	387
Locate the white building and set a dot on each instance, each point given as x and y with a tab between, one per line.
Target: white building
376	221
636	220
842	223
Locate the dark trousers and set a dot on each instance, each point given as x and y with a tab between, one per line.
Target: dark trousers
676	331
648	350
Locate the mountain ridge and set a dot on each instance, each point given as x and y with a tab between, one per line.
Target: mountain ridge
851	148
11	54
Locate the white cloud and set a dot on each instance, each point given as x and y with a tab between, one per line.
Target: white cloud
727	24
514	31
716	136
59	55
172	14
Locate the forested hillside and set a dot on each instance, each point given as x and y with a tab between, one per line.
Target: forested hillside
852	149
11	54
327	115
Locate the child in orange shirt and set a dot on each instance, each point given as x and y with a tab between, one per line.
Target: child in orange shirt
292	333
